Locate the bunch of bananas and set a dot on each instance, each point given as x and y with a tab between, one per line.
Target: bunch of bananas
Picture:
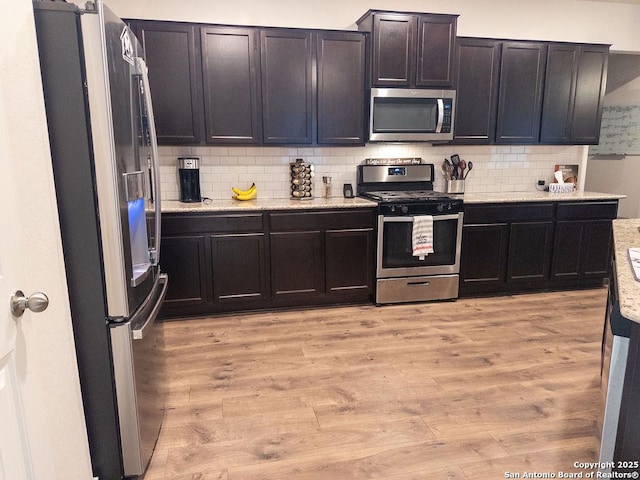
249	194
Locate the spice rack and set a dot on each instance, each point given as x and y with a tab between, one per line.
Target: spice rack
301	180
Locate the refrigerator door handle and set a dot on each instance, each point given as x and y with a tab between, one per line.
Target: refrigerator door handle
139	333
142	68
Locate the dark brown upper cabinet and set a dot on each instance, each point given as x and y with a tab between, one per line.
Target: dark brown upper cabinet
410	49
574	89
341	60
230	73
287	88
229	85
393	50
590	89
436	46
478	68
521	87
173	58
531	92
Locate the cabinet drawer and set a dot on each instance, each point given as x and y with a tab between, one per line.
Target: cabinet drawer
587	210
500	213
181	223
329	220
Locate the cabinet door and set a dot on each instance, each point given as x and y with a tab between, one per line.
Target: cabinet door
559	94
239	267
590	88
341	79
567	249
520	99
436	46
349	261
530	248
582	249
596	252
231	93
394	50
171	50
287	93
297	264
478	67
484	256
184	261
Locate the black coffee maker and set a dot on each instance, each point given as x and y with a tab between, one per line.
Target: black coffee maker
189	171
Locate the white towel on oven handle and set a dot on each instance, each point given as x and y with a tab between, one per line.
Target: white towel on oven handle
422	236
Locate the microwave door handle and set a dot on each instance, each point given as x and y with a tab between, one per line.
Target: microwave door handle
142	68
440	115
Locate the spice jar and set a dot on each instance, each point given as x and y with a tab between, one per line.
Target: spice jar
326	184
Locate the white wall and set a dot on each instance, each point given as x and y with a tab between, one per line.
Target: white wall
495	168
561	20
48	336
619	175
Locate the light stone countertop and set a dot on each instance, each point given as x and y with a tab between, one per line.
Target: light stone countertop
625	236
507	197
175	206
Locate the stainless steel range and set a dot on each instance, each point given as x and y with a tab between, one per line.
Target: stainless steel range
405	192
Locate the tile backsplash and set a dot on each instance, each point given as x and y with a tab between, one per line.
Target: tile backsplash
495	168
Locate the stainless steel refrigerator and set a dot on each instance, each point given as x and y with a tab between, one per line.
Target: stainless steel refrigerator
104	155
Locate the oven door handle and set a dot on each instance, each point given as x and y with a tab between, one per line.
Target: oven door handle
436	218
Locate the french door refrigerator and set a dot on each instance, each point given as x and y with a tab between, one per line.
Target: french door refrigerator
104	155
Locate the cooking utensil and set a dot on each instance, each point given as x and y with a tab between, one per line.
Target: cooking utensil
447	169
461	168
469	167
455	160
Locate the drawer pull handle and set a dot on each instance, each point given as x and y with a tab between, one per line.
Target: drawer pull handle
426	283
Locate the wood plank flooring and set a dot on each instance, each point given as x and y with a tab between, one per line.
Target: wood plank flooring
464	390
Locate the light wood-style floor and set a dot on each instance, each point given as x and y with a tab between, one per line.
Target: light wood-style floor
465	390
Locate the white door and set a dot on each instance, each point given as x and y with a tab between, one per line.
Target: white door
42	432
15	458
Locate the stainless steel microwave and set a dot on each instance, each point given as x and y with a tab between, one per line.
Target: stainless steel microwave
410	115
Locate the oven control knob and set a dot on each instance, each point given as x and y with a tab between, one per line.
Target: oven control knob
440	207
404	209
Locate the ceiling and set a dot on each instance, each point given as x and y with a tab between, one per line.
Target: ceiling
632	2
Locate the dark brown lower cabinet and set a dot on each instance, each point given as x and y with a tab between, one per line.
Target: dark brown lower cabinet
535	246
529	251
484	255
579	246
349	265
224	262
215	263
239	269
583	240
184	260
297	264
322	257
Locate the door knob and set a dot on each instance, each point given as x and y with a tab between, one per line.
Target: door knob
37	302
